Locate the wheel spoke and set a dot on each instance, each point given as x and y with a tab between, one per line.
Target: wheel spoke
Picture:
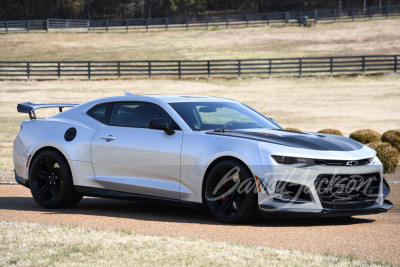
40	171
226	205
50	164
57	187
58	172
45	188
53	191
41	176
238	202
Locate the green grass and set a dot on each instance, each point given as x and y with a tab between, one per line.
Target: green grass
23	244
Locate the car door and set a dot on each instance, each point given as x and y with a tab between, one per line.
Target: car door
129	157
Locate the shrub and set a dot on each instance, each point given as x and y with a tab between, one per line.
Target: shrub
292	129
392	137
388	155
330	131
366	136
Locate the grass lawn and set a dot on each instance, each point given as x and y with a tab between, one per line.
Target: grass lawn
23	244
334	39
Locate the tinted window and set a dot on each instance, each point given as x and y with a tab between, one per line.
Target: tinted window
99	112
136	114
201	116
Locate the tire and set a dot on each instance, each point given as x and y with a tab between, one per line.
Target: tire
51	181
225	197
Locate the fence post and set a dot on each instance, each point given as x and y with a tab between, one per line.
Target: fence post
395	63
147	24
127	25
370	13
119	69
166	24
268	18
334	15
363	64
208	68
247	20
239	67
352	14
227	21
6	27
28	71
59	70
179	69
270	68
67	24
207	23
149	69
27	26
387	11
300	67
187	23
88	26
331	66
47	26
287	17
315	17
107	25
89	69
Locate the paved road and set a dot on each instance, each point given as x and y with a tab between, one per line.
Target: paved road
374	237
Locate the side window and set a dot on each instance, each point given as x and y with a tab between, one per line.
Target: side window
99	112
136	114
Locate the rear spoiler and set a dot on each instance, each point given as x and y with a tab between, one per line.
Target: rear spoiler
30	108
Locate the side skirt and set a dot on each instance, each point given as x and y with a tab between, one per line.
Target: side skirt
111	194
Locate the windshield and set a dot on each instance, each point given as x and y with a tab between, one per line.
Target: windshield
202	116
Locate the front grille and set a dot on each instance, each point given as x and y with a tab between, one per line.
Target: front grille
328	162
347	191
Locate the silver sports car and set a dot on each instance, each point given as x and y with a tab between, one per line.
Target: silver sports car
197	150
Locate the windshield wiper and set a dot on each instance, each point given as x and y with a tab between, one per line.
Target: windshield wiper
221	130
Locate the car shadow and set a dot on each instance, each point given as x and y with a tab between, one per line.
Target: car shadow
163	213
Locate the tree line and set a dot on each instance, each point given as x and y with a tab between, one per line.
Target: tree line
101	9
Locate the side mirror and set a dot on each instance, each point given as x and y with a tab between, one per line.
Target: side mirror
160	124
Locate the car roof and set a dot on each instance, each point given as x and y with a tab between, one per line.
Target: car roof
163	98
189	98
157	99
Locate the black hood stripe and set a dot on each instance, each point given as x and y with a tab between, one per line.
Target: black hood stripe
326	142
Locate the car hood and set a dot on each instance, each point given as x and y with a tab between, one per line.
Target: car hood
304	140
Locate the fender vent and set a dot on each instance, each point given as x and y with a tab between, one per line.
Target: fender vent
70	134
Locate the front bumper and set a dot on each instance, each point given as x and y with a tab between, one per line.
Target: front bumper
272	201
266	211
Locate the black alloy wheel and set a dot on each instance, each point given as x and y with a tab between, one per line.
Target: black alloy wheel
51	181
230	192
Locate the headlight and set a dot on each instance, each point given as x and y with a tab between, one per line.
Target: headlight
375	159
292	160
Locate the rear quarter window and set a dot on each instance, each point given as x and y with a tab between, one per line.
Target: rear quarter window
100	112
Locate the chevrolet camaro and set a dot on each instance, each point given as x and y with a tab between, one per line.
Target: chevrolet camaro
207	151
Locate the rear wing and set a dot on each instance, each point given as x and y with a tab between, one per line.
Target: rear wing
30	108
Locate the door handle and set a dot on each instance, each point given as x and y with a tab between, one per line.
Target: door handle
108	138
